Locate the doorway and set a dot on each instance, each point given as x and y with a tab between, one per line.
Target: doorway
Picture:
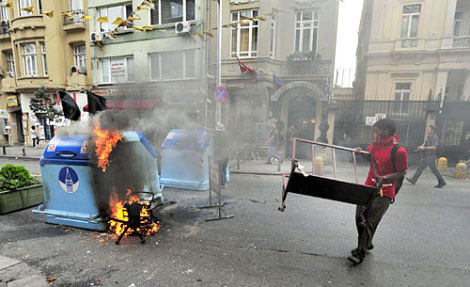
302	116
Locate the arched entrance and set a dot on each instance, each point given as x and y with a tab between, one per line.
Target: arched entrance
300	106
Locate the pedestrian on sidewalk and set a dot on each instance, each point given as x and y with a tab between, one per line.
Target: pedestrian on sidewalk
34	136
273	142
386	173
428	152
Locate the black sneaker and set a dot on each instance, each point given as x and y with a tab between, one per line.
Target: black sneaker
440	185
410	181
355	260
370	247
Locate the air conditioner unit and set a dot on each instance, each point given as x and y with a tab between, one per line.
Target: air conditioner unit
182	27
95	37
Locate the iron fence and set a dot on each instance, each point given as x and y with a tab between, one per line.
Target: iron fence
351	128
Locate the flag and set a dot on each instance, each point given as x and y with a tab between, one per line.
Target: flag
277	83
85	17
68	15
49	14
103	19
70	108
95	103
245	69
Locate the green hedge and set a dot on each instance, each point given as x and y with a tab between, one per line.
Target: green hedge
13	177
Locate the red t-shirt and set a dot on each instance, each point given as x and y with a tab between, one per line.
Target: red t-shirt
382	153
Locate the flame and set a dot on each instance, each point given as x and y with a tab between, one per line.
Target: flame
119	212
106	140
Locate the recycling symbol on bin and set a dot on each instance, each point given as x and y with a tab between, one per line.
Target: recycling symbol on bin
68	180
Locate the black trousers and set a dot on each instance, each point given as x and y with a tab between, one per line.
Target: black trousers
367	220
425	162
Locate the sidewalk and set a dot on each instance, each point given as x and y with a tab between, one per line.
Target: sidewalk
23	152
14	273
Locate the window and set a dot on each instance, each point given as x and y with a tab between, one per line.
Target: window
76	4
272	46
10	64
30	60
410	20
79	56
117	70
172	11
24	4
458	21
173	66
245	34
113	13
4	14
306	31
44	61
402	96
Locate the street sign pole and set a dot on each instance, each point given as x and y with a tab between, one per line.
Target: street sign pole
218	105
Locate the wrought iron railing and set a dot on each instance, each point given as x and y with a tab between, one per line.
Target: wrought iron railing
76	17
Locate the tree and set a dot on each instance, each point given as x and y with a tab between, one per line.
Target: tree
43	107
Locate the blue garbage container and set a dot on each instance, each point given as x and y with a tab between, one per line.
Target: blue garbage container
70	191
185	159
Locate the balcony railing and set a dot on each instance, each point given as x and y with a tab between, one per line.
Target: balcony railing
462	42
4	28
77	14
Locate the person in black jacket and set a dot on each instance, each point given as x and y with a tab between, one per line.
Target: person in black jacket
428	157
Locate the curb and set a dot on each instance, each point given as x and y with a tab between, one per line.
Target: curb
20	157
255	173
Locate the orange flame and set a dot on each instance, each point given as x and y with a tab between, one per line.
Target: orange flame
106	140
119	212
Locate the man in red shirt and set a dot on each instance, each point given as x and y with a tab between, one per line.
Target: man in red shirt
385	175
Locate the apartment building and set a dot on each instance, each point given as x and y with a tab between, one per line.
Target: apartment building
40	50
291	47
414	62
155	64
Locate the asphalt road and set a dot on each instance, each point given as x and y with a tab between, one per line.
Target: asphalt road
422	241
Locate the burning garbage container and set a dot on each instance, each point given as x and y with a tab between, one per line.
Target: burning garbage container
72	195
185	162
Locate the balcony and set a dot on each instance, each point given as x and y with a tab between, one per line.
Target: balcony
74	23
461	42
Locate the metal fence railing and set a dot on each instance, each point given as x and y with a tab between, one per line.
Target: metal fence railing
76	19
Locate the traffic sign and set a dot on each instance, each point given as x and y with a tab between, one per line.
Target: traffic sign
220	94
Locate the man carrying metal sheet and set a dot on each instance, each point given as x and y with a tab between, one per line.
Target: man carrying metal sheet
384	171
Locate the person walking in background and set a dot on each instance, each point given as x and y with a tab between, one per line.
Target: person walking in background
428	157
221	151
290	134
273	142
387	172
34	136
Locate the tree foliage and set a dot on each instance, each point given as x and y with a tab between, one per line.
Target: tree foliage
43	106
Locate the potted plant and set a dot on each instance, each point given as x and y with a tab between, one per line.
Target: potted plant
18	189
